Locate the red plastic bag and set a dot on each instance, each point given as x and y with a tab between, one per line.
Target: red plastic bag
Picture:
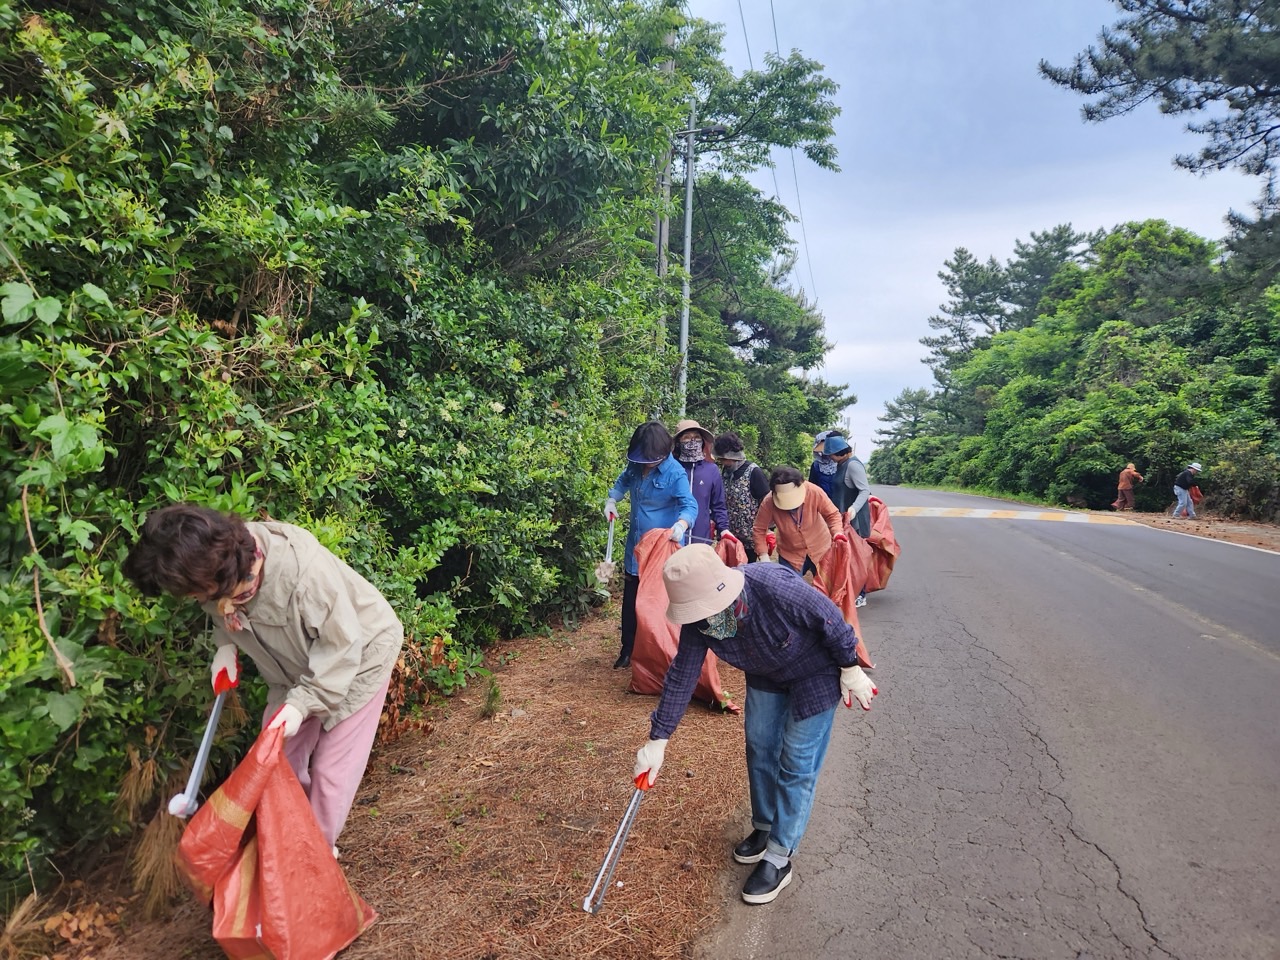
255	852
838	577
732	552
657	638
1196	495
884	546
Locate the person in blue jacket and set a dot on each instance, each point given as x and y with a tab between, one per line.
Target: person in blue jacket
660	497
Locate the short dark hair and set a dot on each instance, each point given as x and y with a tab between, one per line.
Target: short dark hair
186	550
728	442
783	475
650	442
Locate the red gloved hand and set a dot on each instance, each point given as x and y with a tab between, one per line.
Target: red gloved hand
225	669
729	536
771	541
839	538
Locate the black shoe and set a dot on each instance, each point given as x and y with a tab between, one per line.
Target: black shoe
622	661
766	882
751	850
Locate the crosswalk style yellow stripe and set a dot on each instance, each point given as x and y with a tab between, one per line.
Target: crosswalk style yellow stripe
1059	516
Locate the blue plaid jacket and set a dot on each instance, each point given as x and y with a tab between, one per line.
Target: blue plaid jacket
790	638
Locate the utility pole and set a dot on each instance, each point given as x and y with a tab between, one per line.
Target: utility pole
662	229
688	247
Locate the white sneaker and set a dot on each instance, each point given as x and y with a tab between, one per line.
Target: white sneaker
336	854
861	601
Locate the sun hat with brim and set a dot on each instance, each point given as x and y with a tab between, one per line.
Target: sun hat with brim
835	445
788	496
698	583
635	457
684	425
1194	466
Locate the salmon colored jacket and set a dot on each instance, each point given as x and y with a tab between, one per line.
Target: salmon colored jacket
820	522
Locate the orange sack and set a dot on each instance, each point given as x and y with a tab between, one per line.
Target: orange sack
840	576
657	638
255	853
884	546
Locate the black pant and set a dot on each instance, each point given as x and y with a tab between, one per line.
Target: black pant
630	587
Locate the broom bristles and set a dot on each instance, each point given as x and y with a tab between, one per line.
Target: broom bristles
153	865
22	936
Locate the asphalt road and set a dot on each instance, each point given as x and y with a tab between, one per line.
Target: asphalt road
1075	753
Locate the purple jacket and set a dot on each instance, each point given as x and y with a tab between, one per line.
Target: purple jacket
708	490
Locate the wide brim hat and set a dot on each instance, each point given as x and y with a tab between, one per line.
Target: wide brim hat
833	446
1195	466
788	496
699	584
633	457
684	425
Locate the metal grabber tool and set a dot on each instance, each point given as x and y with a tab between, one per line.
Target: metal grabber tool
595	899
184	804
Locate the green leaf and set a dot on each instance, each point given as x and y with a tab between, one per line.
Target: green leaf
17	298
47	309
64	709
95	293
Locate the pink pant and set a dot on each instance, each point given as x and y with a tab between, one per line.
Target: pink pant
330	763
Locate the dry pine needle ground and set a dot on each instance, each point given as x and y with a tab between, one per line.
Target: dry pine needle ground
481	838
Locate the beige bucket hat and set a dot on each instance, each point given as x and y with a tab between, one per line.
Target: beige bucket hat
684	425
698	583
788	496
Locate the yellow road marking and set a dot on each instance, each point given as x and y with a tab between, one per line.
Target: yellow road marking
1060	516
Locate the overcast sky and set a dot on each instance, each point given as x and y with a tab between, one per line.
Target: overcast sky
949	137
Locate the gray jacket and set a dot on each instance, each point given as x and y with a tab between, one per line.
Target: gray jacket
321	635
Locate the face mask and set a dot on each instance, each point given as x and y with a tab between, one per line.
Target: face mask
720	626
691	450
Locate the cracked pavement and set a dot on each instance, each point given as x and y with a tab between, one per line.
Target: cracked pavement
1075	754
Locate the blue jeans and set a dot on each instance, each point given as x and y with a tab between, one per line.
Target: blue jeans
784	757
1185	507
806	567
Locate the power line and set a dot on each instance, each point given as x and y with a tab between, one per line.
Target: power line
777	49
745	38
773	169
813	285
715	246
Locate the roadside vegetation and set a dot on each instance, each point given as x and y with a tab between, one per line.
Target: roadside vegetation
383	270
1142	342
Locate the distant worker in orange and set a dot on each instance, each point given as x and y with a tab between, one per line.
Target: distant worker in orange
1124	495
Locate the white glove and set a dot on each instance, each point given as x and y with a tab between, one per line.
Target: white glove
678	531
610	509
225	669
649	760
289	717
854	684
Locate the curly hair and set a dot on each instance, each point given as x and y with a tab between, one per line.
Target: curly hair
728	442
189	550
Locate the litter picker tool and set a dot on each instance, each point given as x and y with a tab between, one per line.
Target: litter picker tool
184	804
595	899
604	569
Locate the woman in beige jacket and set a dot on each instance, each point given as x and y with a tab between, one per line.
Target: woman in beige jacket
323	638
807	521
